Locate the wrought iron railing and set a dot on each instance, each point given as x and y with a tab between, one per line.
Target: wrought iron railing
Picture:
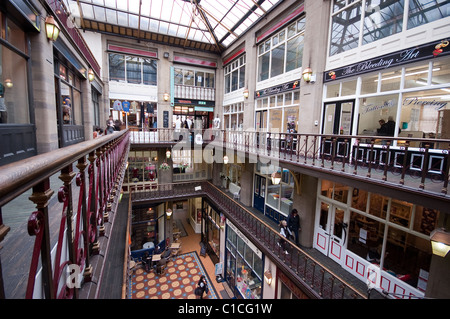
67	228
318	281
416	163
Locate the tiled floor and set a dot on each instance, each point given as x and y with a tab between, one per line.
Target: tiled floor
181	274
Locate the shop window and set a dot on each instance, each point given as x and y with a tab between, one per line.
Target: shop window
359	199
365	237
416	76
333	90
116	67
375	108
441	72
345	29
14	100
369	84
425	220
382	21
424	11
390	80
132	69
348	88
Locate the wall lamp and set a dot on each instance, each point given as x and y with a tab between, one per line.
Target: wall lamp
246	93
8	83
307	74
276	178
268	277
225	159
440	242
51	28
168	213
91	75
166	97
168	154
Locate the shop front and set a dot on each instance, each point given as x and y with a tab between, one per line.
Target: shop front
197	114
243	264
402	94
383	241
134	114
214	222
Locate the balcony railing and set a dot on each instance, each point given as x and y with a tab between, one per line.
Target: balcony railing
317	280
419	164
68	230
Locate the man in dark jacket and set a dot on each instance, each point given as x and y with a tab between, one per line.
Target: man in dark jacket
294	224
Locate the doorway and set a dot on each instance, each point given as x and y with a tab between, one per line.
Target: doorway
259	193
331	231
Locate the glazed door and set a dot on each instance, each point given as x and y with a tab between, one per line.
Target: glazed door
331	231
259	193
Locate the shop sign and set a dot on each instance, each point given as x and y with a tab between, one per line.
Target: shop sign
421	101
285	87
193	102
414	54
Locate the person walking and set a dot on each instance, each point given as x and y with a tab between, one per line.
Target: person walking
110	125
202	287
285	235
294	224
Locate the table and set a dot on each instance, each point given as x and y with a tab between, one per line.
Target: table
148	244
175	245
156	257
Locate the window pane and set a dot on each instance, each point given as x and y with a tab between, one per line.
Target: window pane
263	66
441	71
383	22
369	84
416	76
116	67
277	61
348	88
178	76
242	77
199	78
425	220
234	80
227	83
425	11
77	111
209	80
294	53
377	108
188	77
150	68
390	80
133	69
14	106
345	29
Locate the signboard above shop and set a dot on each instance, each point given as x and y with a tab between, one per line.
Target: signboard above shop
193	102
285	87
410	55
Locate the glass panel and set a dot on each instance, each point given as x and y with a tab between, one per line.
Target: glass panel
390	80
116	67
345	29
340	193
338	222
14	106
209	80
188	77
150	76
386	20
330	110
227	83
369	84
263	67
290	119
348	88
178	76
242	77
323	220
400	213
441	71
234	80
333	90
359	199
425	219
406	255
199	78
16	36
425	11
133	69
67	109
374	109
365	237
378	205
276	117
294	53
420	111
416	76
273	194
277	61
78	112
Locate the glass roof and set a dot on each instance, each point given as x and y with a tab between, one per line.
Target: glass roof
210	21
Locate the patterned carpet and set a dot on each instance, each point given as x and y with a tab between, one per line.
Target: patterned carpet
178	281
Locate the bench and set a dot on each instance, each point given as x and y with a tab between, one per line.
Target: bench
235	190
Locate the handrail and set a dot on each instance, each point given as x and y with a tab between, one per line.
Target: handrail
67	227
235	210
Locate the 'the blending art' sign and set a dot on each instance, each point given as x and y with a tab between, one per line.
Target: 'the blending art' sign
414	54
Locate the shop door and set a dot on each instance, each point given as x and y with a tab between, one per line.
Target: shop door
337	120
259	193
331	231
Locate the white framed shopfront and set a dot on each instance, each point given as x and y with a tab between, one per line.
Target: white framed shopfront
382	241
413	94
